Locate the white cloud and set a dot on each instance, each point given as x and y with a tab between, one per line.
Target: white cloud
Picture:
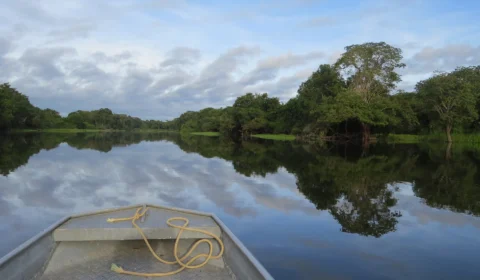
81	30
321	21
181	56
268	69
444	58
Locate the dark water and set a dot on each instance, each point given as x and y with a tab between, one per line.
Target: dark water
306	212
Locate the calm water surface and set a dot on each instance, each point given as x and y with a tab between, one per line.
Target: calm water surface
306	212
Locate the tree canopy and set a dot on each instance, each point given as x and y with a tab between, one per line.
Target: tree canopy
352	98
449	99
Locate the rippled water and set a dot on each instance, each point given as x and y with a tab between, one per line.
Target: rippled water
306	212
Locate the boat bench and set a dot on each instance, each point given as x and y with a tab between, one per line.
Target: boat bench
96	228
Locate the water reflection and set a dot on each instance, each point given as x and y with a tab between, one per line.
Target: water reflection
259	185
348	186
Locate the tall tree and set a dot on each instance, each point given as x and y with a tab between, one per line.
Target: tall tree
254	112
449	100
471	75
409	109
369	69
325	82
303	112
16	111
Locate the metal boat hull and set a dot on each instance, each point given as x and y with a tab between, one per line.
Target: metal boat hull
83	247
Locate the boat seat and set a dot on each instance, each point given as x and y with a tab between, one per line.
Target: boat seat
95	227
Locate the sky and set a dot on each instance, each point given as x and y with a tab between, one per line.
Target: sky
156	59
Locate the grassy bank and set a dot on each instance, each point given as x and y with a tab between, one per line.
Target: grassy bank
466	138
282	137
403	138
76	130
411	138
152	131
206	133
63	130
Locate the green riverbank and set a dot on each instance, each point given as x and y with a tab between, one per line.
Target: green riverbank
281	137
412	138
206	133
75	130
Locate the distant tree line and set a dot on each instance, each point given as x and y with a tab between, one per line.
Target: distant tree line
16	112
353	98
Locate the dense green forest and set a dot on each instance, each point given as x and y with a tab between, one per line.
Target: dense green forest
351	99
354	98
16	112
356	186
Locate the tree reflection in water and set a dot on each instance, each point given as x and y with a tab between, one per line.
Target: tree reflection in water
355	186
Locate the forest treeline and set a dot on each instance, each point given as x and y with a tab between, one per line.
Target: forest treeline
16	112
352	98
357	188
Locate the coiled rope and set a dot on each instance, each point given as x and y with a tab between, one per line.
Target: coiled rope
177	260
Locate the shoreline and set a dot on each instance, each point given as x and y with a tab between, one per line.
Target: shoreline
75	130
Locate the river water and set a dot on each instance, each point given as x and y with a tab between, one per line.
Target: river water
306	212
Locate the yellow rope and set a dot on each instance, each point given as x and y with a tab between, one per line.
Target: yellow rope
177	260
